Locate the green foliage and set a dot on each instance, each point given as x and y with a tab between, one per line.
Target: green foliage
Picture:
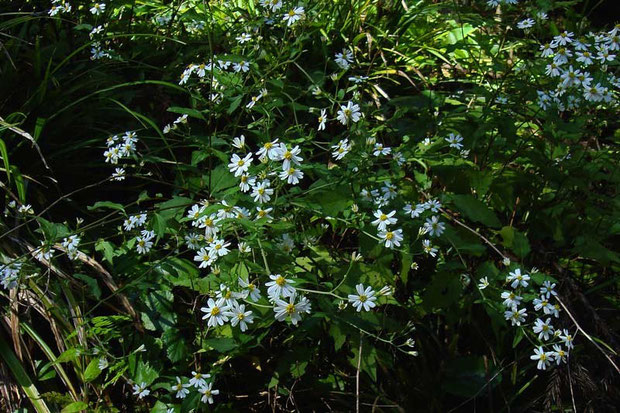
494	170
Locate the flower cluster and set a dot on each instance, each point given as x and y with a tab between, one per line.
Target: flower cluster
123	149
9	275
578	68
59	7
542	328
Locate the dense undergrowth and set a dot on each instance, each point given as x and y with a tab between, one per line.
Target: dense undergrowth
309	206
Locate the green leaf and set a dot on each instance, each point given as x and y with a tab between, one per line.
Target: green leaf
516	241
5	159
93	286
222	345
52	230
159	224
92	370
75	407
21	377
175	345
476	210
187	111
234	104
298	369
107	248
106	204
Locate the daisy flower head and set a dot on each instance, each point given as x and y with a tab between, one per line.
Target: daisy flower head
141	390
515	315
144	243
263	213
322	119
559	354
349	113
218	248
289	156
455	140
207	391
239	142
567	339
434	227
238	316
341	149
544	329
252	289
511	299
119	174
293	15
242	66
381	149
364	299
428	248
180	389
391	238
215	312
483	283
198	380
274	5
279	286
344	59
518	279
547	289
526	23
544	358
291	175
262	192
238	165
290	309
204	258
97	8
270	150
246	182
383	219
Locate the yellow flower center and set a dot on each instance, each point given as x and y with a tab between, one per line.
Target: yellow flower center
389	235
290	308
215	311
280	281
383	217
363	298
